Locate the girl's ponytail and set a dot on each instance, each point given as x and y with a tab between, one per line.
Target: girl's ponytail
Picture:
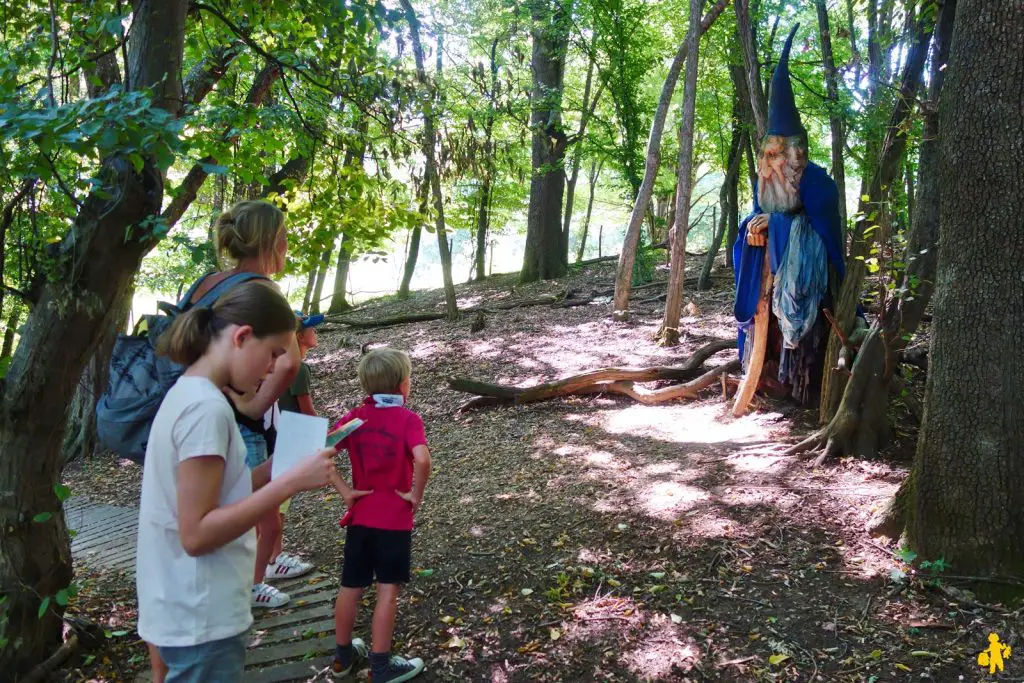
189	336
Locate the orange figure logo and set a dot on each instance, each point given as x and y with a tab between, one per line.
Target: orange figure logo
994	654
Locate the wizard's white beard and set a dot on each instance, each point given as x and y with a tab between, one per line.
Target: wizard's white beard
780	195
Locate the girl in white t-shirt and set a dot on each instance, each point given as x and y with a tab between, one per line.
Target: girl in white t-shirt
196	545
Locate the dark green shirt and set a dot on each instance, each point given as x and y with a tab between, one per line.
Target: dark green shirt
299	387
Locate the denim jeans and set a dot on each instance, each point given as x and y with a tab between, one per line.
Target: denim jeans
219	661
255	447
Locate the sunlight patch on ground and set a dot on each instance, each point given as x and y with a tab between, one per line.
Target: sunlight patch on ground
758	463
668	499
663	652
682	423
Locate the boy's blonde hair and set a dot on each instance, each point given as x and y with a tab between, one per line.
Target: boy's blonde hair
382	370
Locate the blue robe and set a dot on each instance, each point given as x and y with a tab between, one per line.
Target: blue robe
820	198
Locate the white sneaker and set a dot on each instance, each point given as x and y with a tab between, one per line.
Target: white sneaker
287	567
265	595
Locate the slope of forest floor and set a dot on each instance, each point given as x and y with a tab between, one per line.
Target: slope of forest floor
594	539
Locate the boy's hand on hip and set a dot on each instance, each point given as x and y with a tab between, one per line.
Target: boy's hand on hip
352	495
411	499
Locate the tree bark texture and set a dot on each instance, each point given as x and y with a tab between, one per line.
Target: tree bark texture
589	105
970	455
684	188
11	329
624	272
544	257
864	236
97	262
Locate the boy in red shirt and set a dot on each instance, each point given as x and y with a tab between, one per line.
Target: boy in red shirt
390	468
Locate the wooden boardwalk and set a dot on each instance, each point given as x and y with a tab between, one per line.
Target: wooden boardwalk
294	644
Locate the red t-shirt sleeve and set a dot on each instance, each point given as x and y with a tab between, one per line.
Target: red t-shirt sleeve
415	434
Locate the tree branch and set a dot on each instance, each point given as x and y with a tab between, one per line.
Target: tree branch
194	179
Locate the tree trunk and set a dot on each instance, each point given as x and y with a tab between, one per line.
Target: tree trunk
544	257
752	69
731	173
624	272
310	281
970	454
669	333
570	188
10	330
835	119
339	302
431	176
321	276
859	426
80	434
414	243
483	224
595	171
99	256
888	164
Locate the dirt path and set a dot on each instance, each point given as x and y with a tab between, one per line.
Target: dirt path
591	539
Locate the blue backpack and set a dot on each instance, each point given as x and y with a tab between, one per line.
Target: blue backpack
139	378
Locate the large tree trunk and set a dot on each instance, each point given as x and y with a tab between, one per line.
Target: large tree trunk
669	333
624	272
860	424
96	262
864	237
595	171
431	175
835	118
970	455
80	436
544	257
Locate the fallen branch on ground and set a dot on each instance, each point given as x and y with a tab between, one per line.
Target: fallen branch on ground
607	380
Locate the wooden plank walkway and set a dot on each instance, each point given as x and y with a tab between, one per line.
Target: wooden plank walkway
293	644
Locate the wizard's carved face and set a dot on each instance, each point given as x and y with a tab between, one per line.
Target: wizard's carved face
780	166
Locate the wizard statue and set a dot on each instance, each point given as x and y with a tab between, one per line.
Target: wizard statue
795	224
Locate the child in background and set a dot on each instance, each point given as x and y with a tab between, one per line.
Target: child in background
390	468
196	545
297	400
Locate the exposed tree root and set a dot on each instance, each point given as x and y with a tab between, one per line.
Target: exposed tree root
42	671
893	518
607	380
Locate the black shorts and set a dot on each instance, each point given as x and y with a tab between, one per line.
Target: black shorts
383	554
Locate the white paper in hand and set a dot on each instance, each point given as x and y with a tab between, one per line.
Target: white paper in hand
298	436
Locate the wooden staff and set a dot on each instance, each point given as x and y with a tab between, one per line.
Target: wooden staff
749	384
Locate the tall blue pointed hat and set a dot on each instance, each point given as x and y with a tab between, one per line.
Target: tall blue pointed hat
783	117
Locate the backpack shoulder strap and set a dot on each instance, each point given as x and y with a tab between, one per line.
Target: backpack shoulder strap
223	286
183	301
